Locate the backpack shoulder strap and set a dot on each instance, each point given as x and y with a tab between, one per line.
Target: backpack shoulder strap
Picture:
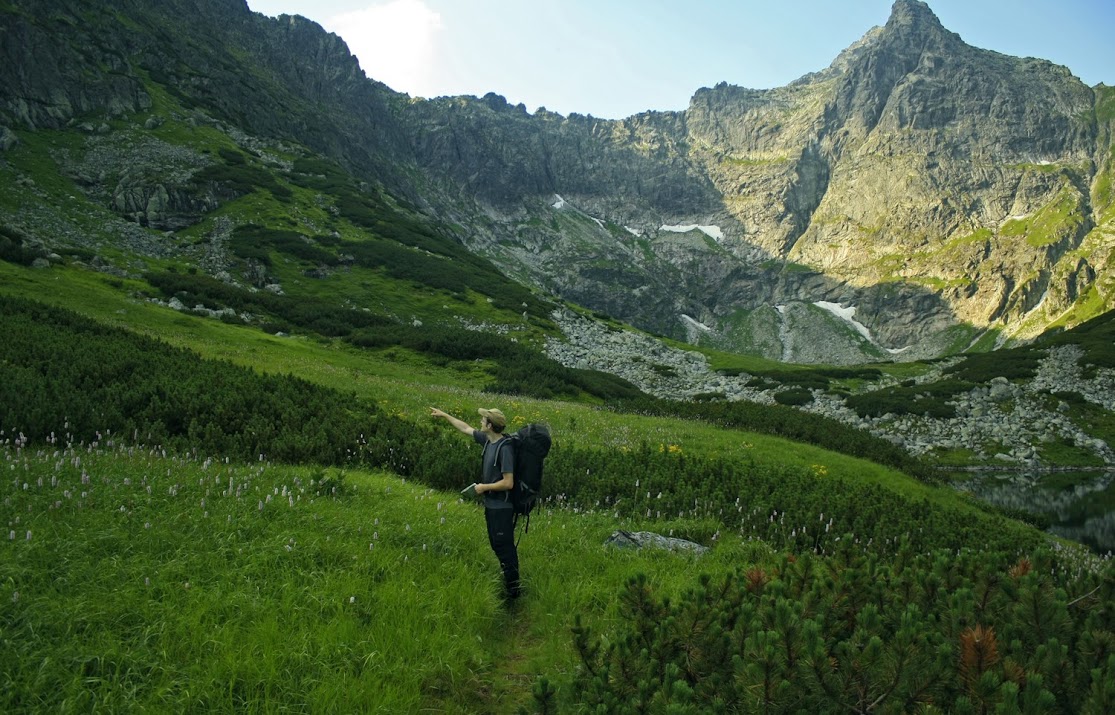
503	443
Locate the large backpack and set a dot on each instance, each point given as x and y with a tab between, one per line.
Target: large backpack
531	444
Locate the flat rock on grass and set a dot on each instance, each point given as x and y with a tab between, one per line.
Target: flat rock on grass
645	539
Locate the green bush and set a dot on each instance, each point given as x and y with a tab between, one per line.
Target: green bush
961	631
812	379
232	157
13	250
783	421
62	373
930	399
805	379
447	267
1071	397
605	385
794	397
242	178
403	263
1013	364
252	241
306	313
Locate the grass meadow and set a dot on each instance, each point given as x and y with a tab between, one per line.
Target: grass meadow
134	581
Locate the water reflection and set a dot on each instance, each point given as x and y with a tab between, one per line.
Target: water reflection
1079	505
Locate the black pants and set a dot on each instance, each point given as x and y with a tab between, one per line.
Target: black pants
501	536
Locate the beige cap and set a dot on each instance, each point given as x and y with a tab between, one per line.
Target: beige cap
494	416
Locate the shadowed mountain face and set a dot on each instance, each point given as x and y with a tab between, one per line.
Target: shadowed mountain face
940	189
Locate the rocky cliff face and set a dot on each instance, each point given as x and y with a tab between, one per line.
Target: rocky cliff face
284	78
938	189
957	165
932	184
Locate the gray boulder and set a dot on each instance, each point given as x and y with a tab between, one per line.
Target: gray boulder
645	539
1001	390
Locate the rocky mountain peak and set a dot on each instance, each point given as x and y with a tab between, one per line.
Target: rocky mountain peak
913	16
911	29
912	41
915	31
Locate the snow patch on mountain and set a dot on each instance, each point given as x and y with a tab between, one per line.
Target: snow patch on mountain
712	232
696	323
849	316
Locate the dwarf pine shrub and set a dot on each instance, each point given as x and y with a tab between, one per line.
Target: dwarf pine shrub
963	632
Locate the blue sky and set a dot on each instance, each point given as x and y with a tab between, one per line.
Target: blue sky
615	58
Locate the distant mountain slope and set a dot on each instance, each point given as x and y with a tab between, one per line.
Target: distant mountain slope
947	193
930	183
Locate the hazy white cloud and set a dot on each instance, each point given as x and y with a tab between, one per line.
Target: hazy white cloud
396	43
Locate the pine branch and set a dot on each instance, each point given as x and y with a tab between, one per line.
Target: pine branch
1078	600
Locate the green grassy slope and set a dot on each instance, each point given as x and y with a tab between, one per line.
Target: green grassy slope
176	588
251	588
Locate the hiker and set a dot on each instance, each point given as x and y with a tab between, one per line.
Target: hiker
495	485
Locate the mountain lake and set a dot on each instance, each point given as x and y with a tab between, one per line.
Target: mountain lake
1078	505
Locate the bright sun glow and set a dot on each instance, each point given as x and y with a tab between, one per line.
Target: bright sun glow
396	43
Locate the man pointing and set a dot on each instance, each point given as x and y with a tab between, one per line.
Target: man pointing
496	481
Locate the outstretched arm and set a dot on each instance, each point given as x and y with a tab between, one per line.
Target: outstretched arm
461	425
